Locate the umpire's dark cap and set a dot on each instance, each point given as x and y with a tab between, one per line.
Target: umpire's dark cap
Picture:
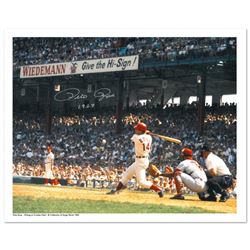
205	148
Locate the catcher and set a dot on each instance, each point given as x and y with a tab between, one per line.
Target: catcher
188	173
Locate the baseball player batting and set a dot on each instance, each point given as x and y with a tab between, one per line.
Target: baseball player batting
142	143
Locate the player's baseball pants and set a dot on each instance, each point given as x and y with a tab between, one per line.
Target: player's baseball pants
196	185
48	174
138	168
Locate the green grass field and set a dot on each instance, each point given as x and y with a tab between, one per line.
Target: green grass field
41	199
29	205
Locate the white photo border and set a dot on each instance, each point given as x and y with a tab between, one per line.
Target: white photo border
240	216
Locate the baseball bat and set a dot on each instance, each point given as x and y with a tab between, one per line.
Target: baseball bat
166	138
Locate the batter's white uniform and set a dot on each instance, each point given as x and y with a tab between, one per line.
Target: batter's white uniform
142	145
214	161
193	176
49	163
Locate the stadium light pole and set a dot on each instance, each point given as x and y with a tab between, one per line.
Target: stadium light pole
127	98
119	107
49	108
38	98
96	101
163	90
201	89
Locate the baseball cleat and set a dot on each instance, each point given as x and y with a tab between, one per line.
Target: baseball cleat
211	198
202	196
161	194
224	197
113	192
178	197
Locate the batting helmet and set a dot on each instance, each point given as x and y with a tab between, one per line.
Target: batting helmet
141	127
186	152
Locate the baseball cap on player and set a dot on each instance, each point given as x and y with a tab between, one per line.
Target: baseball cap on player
186	152
141	127
205	148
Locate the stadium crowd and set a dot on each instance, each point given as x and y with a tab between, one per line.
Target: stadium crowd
28	51
86	147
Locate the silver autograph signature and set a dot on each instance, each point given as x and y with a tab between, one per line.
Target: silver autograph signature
102	93
73	94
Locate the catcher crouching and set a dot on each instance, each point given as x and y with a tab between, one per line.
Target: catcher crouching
188	173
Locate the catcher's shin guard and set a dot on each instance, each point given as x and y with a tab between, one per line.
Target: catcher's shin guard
178	184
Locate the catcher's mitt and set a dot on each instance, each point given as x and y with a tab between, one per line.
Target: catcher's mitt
154	171
168	169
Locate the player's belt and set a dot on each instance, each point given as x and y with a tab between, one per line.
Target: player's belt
198	178
137	156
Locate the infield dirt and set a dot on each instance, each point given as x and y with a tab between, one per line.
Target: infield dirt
37	192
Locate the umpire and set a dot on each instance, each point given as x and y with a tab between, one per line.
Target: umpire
219	175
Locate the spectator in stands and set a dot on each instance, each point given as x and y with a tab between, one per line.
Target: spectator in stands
28	51
76	152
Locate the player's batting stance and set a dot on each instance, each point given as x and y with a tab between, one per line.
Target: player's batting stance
49	163
142	142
